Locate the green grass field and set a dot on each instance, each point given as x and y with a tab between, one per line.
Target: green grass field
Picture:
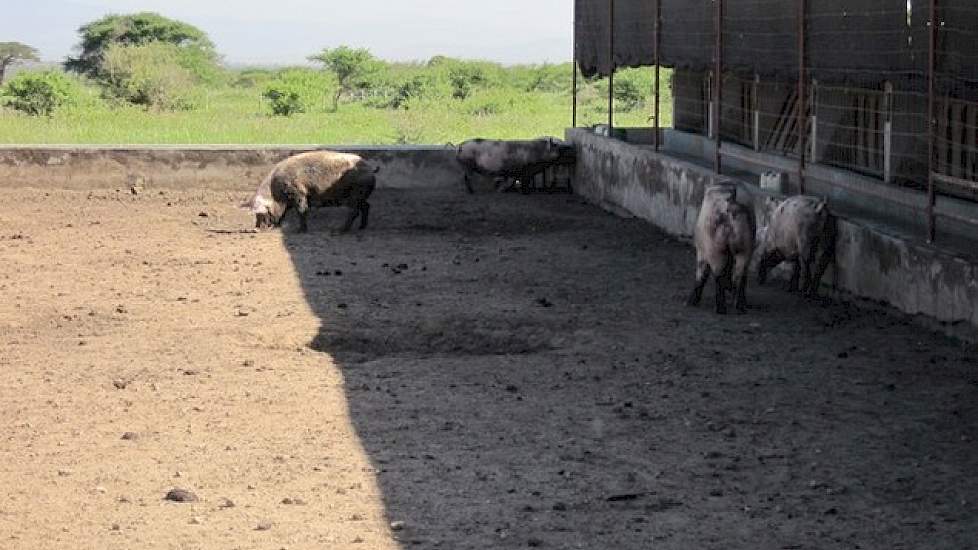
237	114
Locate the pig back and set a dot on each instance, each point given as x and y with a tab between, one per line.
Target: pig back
797	220
504	158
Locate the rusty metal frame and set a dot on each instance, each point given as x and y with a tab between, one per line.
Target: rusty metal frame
574	68
802	97
718	90
657	129
611	68
931	122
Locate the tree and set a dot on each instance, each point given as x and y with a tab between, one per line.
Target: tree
136	30
15	52
351	67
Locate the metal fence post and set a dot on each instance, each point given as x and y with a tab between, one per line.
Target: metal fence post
611	68
574	68
888	132
813	120
718	88
655	114
755	106
802	99
931	121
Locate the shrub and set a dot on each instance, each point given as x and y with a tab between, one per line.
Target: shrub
285	99
400	94
628	96
297	89
150	75
39	93
465	78
203	67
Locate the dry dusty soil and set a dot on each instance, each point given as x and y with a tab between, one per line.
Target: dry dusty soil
488	371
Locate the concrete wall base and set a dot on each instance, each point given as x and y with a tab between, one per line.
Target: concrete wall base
218	167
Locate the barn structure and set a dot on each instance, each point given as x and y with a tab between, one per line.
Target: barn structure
865	102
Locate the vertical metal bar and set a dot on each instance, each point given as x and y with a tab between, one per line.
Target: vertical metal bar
574	68
611	68
802	100
931	120
710	91
813	150
655	115
755	106
888	132
718	88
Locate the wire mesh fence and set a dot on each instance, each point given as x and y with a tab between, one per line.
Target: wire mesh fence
956	98
884	88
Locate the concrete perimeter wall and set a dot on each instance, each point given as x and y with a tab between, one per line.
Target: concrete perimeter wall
213	167
905	273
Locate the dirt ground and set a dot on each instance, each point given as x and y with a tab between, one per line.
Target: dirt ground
489	371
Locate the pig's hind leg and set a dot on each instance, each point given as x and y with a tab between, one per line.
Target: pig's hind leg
364	208
724	283
354	211
741	266
703	271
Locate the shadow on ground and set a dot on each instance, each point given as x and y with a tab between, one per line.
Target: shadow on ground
522	373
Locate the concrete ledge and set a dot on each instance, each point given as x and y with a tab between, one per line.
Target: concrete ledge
863	196
238	168
902	272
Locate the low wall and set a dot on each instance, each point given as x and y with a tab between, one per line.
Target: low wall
218	167
900	271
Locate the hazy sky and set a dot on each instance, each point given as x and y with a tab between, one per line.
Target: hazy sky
286	31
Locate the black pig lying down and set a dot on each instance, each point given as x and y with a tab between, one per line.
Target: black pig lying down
510	159
724	238
802	231
314	179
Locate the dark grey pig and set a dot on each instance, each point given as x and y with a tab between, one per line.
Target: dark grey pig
509	159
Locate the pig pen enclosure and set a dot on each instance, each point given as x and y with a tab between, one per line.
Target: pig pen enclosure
472	371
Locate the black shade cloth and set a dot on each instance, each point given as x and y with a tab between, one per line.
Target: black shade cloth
957	47
862	43
634	35
761	36
858	42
